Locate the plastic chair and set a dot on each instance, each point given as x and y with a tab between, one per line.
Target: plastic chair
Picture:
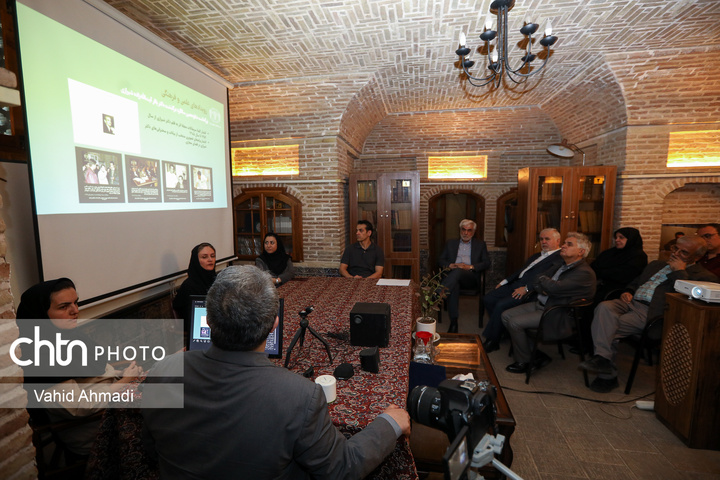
578	310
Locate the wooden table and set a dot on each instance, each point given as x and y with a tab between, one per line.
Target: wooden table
461	353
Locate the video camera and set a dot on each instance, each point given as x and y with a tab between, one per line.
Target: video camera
463	409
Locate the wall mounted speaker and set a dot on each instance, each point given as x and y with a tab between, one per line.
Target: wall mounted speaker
370	325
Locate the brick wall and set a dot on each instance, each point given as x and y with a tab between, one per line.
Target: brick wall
704	200
17	453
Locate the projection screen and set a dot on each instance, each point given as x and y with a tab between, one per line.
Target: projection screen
129	149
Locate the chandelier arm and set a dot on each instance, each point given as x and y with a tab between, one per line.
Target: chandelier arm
487	79
530	74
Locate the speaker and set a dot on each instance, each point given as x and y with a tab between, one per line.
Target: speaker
370	325
370	360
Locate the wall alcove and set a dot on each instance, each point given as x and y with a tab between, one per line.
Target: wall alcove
445	211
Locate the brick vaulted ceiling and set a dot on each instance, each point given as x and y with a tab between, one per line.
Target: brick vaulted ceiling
406	47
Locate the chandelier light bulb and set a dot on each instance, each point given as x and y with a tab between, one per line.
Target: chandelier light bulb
494	56
488	22
528	20
462	39
548	28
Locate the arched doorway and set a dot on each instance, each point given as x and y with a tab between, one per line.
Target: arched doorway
445	211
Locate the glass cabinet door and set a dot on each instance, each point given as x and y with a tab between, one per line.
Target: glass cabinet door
401	214
367	204
549	204
248	226
590	209
279	221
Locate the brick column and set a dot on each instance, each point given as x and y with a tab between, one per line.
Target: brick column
17	453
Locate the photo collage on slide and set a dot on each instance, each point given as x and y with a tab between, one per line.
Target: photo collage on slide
105	177
109	123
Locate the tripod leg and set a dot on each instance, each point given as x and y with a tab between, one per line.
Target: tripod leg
292	344
327	346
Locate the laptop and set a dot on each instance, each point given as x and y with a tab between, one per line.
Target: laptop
199	338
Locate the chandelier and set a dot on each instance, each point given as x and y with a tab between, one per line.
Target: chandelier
497	53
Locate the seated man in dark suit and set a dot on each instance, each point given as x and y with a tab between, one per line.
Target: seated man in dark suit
244	417
574	280
514	291
466	257
643	299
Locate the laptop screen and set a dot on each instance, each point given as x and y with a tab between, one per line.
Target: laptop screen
199	338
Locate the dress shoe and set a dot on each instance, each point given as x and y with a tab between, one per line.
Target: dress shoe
517	367
604	385
453	328
491	345
597	364
541	360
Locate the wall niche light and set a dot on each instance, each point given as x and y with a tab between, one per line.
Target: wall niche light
470	167
271	160
699	148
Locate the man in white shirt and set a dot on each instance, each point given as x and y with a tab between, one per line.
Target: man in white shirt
466	257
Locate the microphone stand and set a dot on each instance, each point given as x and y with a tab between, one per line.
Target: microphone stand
300	334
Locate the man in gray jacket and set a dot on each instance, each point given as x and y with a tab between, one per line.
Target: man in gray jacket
244	417
573	280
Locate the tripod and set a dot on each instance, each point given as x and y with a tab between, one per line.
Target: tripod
300	334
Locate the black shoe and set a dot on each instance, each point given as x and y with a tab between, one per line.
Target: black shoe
453	328
604	385
597	364
541	360
517	367
491	345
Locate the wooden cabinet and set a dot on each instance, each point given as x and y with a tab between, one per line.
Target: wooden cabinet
264	210
567	198
686	398
390	202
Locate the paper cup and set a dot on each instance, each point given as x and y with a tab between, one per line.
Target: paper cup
329	386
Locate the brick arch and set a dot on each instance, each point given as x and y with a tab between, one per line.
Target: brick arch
489	192
290	189
644	210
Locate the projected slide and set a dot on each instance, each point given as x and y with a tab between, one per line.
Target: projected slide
111	135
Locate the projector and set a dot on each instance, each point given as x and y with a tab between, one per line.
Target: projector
707	291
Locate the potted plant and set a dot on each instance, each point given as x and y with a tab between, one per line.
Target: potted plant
432	292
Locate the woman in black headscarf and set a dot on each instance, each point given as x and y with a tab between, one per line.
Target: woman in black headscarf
46	310
619	265
201	275
275	261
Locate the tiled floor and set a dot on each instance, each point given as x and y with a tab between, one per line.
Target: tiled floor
559	437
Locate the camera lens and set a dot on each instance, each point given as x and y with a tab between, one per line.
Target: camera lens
424	405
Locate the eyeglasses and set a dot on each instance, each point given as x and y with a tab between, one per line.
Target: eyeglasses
680	251
708	236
